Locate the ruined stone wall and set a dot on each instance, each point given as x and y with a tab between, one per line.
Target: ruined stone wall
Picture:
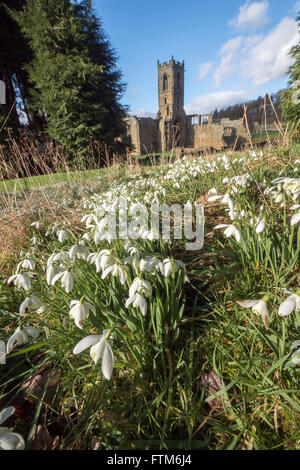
208	136
144	134
236	124
149	136
133	131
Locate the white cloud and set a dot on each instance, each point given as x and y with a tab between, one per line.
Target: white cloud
251	16
296	8
227	66
260	58
224	69
270	59
221	99
142	113
204	69
231	46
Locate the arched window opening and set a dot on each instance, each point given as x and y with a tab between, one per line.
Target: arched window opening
165	83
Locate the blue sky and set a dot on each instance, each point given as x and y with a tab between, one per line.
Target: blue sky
233	50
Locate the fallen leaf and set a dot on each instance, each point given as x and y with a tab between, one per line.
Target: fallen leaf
43	440
34	387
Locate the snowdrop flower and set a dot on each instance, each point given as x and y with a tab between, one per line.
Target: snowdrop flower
90	220
27	263
138	290
21	336
290	304
295	359
35	224
141	286
31	300
260	225
79	311
212	191
100	347
67	280
230	230
9	440
151	264
259	307
79	251
51	272
102	259
34	240
62	235
137	301
117	271
21	280
295	218
169	264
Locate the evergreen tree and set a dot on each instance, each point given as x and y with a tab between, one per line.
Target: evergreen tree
76	86
290	102
14	54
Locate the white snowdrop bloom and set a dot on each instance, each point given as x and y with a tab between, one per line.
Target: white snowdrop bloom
225	199
260	225
31	300
151	264
117	271
36	224
230	230
21	281
137	301
172	264
34	240
62	235
79	251
141	286
295	218
61	256
67	279
79	310
295	347
51	272
290	304
138	290
27	263
87	236
102	259
100	347
278	198
21	336
90	220
9	440
212	191
259	307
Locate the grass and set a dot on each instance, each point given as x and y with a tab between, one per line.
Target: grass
191	329
30	182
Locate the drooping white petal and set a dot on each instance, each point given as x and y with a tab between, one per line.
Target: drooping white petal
6	413
86	343
247	303
97	349
12	441
295	219
288	306
107	361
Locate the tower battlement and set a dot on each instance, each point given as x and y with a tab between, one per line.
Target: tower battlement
171	63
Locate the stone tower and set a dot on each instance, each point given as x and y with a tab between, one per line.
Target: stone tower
171	115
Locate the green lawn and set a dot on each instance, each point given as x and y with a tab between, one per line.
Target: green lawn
43	180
